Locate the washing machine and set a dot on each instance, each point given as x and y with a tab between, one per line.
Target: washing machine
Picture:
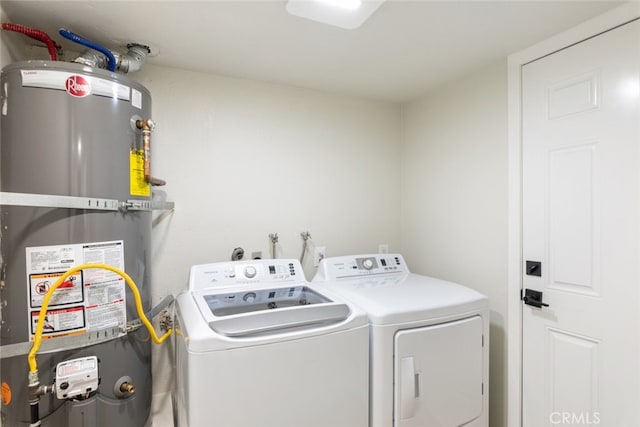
429	342
259	346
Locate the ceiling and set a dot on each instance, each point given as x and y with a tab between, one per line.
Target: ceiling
404	50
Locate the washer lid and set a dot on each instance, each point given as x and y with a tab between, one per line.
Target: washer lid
277	321
272	310
392	299
252	321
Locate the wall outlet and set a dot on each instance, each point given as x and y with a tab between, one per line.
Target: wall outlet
318	255
256	255
383	248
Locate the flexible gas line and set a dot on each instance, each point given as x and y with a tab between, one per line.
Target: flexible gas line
37	340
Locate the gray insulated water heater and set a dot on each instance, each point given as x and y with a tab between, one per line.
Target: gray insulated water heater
70	130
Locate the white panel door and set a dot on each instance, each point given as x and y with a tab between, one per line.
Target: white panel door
438	374
581	217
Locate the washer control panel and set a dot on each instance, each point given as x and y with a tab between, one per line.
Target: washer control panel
360	265
236	273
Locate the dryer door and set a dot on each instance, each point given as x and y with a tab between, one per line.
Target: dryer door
438	374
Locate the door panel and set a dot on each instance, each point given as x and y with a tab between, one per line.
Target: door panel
581	219
573	380
573	217
438	374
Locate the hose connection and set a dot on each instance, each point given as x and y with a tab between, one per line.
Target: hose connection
305	241
127	388
274	241
124	388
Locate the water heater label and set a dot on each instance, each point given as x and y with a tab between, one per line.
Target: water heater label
76	85
138	186
86	300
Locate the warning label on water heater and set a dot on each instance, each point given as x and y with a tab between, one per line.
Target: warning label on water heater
86	300
138	186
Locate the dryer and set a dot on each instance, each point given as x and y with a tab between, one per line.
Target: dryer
429	353
259	346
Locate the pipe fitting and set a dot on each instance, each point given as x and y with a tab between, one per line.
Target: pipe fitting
127	388
33	397
125	63
146	125
134	58
124	387
35	389
92	59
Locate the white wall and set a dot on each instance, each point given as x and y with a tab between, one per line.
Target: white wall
454	197
243	159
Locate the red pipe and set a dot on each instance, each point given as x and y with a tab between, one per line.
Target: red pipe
52	46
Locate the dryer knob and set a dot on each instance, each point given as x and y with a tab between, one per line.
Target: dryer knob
250	272
367	264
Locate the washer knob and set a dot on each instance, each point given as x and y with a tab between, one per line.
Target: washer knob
250	272
249	297
367	264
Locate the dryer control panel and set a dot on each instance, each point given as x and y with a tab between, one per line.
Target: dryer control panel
235	273
361	265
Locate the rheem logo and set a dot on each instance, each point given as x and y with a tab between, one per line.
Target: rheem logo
77	86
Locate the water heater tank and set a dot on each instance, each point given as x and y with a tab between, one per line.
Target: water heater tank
70	130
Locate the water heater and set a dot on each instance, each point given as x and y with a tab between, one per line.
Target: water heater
74	191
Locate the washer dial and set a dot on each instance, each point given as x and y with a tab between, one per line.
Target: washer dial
250	272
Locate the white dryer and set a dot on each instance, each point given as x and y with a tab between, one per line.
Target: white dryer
429	342
259	346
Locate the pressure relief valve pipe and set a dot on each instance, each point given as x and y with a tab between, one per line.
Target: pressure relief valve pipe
147	126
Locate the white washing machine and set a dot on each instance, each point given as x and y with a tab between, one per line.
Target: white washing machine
429	342
259	346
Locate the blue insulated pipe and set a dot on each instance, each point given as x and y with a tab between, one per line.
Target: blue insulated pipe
111	60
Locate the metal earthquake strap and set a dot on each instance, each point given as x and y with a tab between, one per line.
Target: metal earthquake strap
137	323
93	337
73	202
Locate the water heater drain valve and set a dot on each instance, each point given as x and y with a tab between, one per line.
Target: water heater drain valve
77	377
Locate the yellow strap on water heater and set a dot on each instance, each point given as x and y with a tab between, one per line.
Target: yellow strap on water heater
37	341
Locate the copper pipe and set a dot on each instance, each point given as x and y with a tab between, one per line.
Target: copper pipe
147	126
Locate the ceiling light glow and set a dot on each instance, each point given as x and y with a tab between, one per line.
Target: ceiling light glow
347	14
342	4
